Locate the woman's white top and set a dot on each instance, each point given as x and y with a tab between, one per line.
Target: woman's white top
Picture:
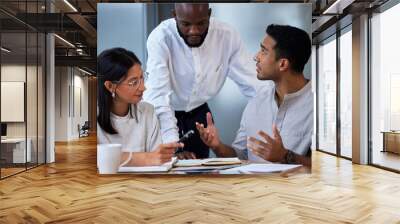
142	135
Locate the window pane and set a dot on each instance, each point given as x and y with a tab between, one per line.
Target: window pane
41	98
14	146
346	94
31	97
327	96
385	86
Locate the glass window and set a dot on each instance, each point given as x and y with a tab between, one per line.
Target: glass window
14	147
41	79
385	88
327	95
22	91
346	93
313	82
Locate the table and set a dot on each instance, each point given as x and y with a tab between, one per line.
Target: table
391	141
216	170
17	150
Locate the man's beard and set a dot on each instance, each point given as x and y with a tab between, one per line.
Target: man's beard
203	37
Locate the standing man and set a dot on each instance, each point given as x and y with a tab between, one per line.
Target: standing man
189	58
277	124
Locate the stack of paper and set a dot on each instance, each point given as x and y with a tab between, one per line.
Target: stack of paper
143	169
207	162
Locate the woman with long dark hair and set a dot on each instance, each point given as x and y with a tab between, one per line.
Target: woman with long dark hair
122	117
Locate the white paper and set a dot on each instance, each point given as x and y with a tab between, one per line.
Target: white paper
198	168
259	168
143	169
189	162
200	162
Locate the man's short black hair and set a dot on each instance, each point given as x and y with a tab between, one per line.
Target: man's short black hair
292	43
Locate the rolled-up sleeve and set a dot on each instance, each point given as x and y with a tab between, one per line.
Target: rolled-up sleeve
159	88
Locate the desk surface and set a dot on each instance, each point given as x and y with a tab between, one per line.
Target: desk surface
13	140
391	132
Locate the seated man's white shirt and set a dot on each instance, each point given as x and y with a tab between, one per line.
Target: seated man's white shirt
141	136
183	78
294	120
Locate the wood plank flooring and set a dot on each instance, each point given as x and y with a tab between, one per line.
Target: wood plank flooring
70	191
387	159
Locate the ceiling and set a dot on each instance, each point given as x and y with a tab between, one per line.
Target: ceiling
23	22
332	15
76	22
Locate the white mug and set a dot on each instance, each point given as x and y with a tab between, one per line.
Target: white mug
108	158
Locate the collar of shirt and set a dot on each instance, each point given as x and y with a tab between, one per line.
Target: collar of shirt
139	110
279	113
294	95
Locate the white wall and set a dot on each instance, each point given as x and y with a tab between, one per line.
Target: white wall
122	25
61	103
70	83
12	73
33	126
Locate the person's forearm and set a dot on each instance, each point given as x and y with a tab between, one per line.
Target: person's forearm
224	151
168	127
137	159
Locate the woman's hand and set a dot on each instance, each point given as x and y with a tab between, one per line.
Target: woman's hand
163	153
186	155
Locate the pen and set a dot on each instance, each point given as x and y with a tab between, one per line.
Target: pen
184	138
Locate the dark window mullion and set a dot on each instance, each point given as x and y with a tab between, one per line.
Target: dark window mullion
26	86
37	90
317	96
369	79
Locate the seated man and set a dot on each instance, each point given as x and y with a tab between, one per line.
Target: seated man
281	114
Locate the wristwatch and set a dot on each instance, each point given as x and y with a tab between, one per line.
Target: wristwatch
290	157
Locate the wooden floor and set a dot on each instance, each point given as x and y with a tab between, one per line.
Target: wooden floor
387	159
70	191
5	172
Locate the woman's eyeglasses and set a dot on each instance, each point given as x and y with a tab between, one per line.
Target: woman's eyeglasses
136	82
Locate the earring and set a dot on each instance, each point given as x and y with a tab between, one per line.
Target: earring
113	94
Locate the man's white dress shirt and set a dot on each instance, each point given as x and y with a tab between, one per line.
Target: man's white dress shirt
294	119
182	78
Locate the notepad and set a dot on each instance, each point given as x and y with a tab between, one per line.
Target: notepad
260	168
208	162
148	169
203	168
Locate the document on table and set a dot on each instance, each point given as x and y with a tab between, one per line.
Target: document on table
144	169
199	168
207	162
257	168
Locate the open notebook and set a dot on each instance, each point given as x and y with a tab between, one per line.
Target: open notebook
208	162
144	169
195	163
